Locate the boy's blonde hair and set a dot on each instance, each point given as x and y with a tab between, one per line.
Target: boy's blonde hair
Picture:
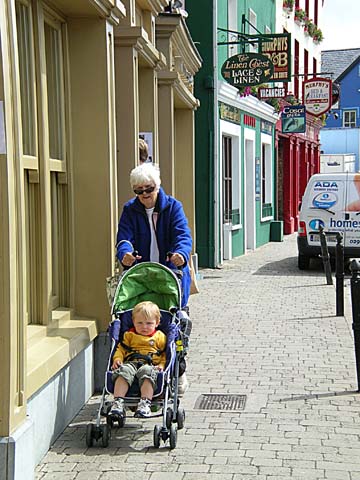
149	309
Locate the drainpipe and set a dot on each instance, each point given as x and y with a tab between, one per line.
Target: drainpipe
216	140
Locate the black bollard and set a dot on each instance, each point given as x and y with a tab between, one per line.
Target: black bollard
355	302
339	274
325	256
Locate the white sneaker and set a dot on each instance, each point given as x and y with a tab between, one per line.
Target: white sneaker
118	408
144	408
183	384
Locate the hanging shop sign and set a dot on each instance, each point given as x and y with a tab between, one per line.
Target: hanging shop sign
293	119
247	69
264	93
277	47
317	95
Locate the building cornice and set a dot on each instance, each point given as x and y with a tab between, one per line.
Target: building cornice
173	27
137	38
249	104
183	96
154	6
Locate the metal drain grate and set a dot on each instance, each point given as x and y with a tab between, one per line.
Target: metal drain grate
214	401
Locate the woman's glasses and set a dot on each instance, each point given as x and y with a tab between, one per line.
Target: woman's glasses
145	190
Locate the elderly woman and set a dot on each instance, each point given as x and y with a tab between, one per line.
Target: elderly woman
154	224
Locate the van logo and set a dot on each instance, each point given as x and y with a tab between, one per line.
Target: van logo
325	200
326	184
316	223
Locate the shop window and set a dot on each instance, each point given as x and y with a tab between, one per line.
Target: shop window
55	89
266	181
349	118
27	78
231	189
252	29
233	26
44	158
227	178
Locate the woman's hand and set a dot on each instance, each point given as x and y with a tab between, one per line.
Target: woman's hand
129	259
177	259
116	364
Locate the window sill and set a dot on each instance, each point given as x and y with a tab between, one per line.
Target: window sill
267	219
51	347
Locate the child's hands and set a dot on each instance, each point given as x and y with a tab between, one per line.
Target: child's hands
116	364
159	367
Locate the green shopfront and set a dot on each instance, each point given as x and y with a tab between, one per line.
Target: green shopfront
247	202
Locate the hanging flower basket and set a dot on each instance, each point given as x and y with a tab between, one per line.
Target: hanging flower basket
318	36
309	27
300	16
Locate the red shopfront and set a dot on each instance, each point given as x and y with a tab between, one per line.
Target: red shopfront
298	157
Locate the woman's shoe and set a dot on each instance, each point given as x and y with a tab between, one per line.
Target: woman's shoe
183	384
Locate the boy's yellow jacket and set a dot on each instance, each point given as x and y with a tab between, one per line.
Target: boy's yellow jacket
144	345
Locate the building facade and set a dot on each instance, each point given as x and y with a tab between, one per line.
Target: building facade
298	155
341	132
235	136
79	81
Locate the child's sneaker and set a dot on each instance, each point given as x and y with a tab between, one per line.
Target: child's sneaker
118	408
144	408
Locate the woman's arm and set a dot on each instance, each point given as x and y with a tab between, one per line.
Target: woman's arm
180	232
125	235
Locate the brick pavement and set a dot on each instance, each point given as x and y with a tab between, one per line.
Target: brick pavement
263	329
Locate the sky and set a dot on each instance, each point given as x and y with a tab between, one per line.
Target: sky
340	24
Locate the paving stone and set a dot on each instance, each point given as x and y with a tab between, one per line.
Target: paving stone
263	329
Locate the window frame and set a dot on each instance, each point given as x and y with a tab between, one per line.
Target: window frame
46	193
232	130
351	124
232	20
266	175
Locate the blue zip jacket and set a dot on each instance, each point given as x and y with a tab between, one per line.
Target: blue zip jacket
172	234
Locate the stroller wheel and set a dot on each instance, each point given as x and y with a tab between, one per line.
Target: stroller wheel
105	435
157	435
173	436
180	418
169	417
89	435
121	421
110	421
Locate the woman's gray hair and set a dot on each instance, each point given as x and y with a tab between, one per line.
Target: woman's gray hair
145	173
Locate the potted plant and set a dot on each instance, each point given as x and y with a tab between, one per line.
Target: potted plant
309	26
318	35
288	5
299	15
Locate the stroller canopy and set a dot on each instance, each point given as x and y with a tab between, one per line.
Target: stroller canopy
147	281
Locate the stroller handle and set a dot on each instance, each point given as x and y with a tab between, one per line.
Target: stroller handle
179	270
134	253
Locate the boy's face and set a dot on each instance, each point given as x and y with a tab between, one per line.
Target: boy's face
143	325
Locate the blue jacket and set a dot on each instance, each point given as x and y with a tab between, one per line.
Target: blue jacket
172	233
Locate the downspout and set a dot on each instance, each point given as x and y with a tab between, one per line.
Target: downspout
216	140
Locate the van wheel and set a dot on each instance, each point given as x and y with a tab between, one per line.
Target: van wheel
303	262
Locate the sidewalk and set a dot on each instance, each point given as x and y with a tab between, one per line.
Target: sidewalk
263	329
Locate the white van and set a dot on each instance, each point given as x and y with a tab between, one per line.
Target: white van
331	201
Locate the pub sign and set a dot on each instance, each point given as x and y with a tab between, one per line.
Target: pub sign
317	95
277	47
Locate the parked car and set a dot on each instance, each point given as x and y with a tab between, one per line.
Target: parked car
330	201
